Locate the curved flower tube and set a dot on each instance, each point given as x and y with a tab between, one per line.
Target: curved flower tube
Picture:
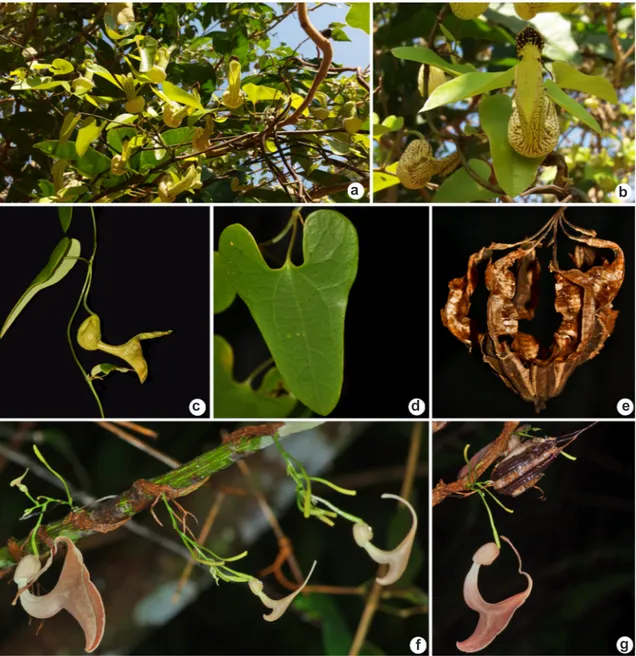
74	592
233	97
89	337
397	559
278	606
493	618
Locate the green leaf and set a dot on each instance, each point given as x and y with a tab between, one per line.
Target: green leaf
105	73
87	134
300	310
258	93
561	98
61	67
568	77
426	56
390	124
68	125
235	399
62	260
40	83
100	371
323	609
66	216
461	188
383	180
467	86
147	51
359	15
122	118
178	95
224	293
338	34
91	164
514	172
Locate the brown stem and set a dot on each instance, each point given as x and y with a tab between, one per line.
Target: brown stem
443	490
324	45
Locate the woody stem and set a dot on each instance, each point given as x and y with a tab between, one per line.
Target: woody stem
113	513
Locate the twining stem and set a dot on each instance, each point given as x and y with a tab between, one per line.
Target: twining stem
82	300
112	513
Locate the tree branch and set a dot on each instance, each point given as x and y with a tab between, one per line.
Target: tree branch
324	45
443	490
115	512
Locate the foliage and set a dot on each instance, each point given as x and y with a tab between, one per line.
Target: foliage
174	102
467	108
300	312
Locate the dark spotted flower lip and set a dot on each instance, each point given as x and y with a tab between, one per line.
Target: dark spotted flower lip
529	36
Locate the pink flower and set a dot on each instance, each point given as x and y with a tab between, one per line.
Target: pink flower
493	618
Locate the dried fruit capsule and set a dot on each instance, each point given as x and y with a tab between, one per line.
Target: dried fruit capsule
538	136
417	164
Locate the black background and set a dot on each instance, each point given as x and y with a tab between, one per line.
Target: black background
151	273
577	545
386	322
464	385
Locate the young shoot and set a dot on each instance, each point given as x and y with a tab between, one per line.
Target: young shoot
306	500
201	554
40	503
481	487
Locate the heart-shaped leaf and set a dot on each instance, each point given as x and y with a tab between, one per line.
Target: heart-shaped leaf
61	67
239	399
300	310
359	15
62	260
514	172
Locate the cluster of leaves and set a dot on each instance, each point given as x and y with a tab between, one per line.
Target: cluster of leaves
87	88
589	53
299	310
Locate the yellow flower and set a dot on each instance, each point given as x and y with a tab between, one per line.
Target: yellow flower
233	97
89	337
